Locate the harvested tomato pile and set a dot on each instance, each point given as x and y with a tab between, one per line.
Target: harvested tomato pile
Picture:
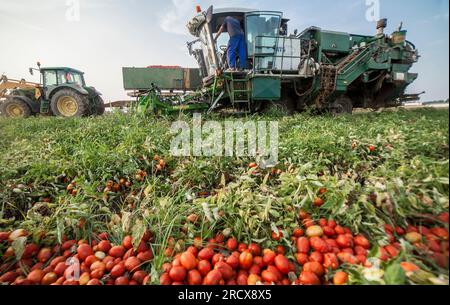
75	262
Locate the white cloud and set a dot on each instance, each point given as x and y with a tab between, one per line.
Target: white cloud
177	16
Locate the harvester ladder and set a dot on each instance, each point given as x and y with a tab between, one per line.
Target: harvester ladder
239	95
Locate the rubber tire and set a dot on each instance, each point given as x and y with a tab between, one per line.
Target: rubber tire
82	102
342	105
100	106
26	109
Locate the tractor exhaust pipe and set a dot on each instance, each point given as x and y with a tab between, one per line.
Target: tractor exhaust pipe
381	25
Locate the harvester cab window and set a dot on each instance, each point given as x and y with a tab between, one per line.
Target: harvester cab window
50	78
261	24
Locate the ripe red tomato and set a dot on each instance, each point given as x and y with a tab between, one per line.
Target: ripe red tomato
269	277
316	257
177	273
246	260
165	279
194	278
269	257
225	270
303	245
188	260
44	255
132	264
314	267
242	247
330	260
318	202
232	244
117	251
282	264
212	278
254	249
344	242
122	281
340	278
309	278
206	254
298	232
204	267
233	261
302	258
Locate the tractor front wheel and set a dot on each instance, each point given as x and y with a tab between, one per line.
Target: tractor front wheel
69	103
15	108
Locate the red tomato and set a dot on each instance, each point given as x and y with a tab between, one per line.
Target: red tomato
212	278
302	258
233	261
177	273
232	244
127	242
298	232
225	270
188	260
309	278
340	278
316	257
303	245
331	261
165	280
132	264
362	241
246	260
344	242
206	254
242	247
194	278
122	281
117	251
254	249
269	257
282	264
314	267
204	267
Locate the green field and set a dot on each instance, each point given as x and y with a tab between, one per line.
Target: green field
403	180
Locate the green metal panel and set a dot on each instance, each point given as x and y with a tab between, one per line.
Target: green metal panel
164	78
334	41
266	88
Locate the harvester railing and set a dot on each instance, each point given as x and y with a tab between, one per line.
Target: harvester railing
257	55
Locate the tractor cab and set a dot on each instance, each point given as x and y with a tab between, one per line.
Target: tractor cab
262	29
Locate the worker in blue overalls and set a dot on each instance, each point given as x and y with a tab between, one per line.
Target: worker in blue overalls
236	45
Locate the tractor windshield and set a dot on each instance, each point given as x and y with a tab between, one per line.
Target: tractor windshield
65	77
261	24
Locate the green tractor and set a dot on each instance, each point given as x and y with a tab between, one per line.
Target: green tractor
62	92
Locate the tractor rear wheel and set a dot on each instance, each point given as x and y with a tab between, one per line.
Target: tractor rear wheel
15	108
342	105
99	106
69	103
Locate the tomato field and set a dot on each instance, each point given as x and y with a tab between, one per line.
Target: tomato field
355	200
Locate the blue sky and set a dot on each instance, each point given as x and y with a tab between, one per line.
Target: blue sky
111	34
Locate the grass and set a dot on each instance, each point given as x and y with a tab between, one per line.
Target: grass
408	174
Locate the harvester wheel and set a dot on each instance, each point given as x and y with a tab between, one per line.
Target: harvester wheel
342	105
69	103
15	108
